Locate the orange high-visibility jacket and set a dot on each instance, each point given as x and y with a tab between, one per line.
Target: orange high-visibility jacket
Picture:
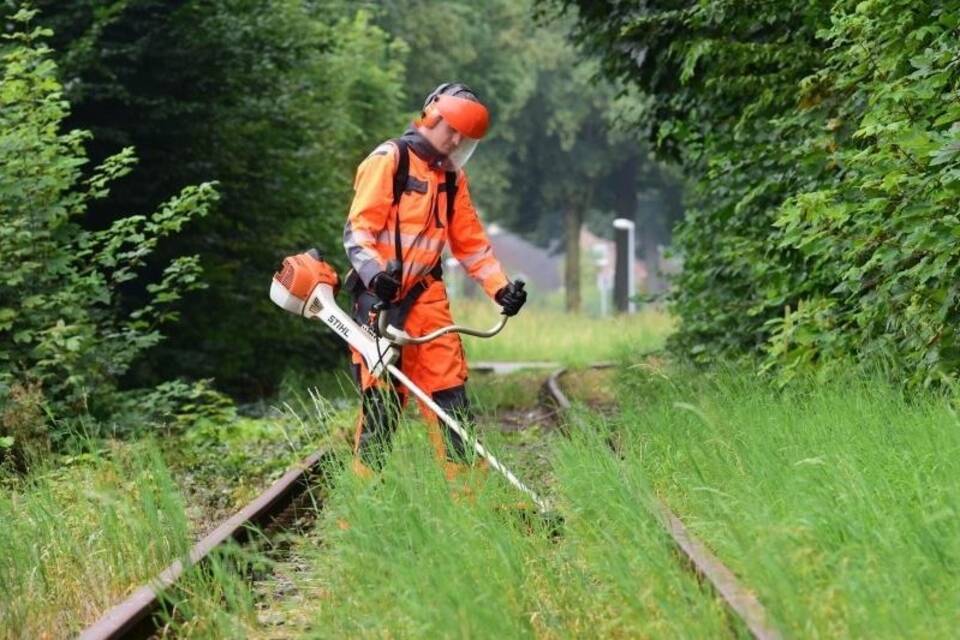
368	235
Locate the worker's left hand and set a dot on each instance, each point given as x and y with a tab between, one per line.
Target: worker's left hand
511	297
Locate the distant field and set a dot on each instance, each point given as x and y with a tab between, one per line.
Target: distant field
544	334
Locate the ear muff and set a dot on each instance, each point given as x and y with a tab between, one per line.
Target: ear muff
429	117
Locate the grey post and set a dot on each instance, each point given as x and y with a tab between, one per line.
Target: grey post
624	285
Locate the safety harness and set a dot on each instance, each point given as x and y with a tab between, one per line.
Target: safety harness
363	298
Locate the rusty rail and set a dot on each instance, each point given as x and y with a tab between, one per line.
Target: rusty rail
132	618
738	598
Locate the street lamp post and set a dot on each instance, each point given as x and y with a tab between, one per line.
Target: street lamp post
624	284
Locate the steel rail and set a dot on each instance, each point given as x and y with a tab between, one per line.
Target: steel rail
704	563
132	618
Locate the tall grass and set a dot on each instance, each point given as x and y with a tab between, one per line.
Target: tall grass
75	540
545	334
838	503
402	557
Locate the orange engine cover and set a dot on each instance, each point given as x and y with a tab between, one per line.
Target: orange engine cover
301	273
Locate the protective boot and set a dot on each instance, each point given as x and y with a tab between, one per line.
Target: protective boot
361	470
379	416
379	413
464	471
454	402
465	481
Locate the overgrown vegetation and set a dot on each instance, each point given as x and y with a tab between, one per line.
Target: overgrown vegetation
402	556
835	504
823	137
66	339
278	102
82	530
78	537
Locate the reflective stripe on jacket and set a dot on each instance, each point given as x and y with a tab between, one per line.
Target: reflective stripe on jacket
368	235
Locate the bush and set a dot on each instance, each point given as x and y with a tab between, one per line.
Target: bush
64	339
825	141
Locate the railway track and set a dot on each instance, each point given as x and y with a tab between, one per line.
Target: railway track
737	597
136	617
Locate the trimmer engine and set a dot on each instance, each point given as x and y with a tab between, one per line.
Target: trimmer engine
299	275
306	286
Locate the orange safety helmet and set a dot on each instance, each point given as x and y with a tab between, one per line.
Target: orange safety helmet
459	106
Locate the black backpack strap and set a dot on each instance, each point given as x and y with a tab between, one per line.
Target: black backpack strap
400	178
402	173
451	185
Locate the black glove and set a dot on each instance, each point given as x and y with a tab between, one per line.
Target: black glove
385	286
511	298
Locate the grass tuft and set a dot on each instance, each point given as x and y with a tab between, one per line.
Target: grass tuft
78	538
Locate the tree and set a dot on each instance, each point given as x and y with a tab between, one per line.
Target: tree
276	101
555	156
572	155
823	136
65	340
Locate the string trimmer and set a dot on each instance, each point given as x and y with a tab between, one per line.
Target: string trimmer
305	286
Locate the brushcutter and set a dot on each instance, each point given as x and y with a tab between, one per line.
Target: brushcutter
306	286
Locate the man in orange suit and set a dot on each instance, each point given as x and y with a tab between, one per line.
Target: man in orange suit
412	199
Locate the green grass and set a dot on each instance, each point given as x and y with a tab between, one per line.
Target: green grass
544	334
490	393
401	557
81	531
77	538
837	503
223	465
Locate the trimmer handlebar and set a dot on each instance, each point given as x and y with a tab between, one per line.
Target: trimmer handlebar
400	337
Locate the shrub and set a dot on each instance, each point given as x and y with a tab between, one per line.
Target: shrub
64	338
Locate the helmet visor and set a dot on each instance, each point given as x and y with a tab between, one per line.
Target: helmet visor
459	157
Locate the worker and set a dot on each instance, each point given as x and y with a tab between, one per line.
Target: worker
412	199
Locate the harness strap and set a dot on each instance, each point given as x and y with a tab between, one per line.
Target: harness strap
400	178
451	187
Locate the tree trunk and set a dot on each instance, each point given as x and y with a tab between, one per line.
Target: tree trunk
625	188
573	220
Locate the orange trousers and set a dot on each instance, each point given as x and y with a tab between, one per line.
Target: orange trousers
438	367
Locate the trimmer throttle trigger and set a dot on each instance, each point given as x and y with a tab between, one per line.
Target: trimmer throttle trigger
394	269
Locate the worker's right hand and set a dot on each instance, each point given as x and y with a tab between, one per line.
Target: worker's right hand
385	286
